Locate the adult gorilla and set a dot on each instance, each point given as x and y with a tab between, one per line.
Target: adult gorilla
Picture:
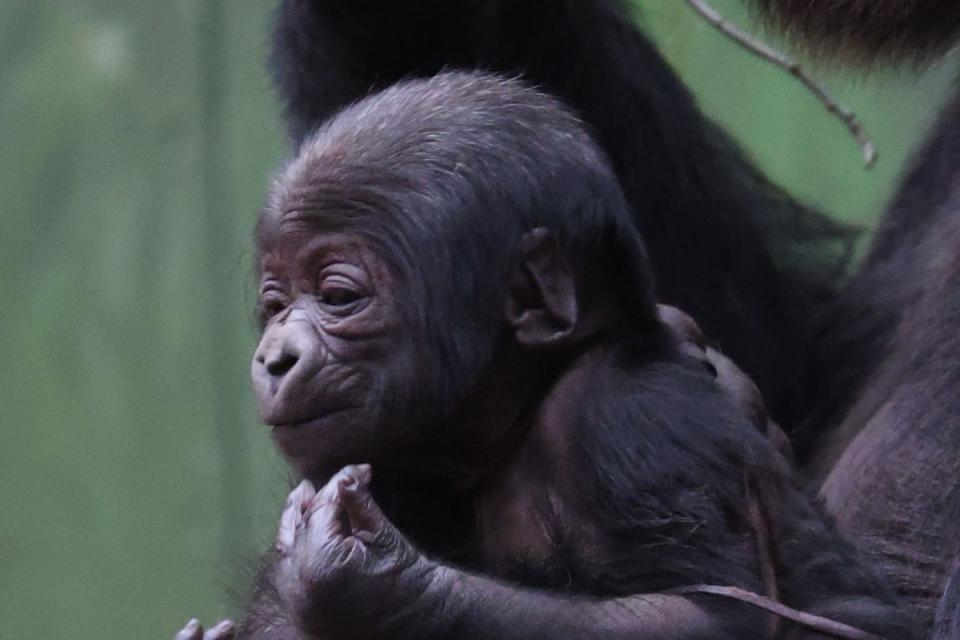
883	434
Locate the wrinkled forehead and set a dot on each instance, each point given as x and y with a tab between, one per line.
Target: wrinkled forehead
412	206
282	233
361	220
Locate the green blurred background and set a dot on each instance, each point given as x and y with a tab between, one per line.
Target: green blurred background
136	138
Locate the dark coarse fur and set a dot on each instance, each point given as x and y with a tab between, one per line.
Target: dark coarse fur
884	432
652	453
882	428
914	236
750	264
665	459
663	463
868	32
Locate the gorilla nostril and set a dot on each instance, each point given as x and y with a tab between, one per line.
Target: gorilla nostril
279	365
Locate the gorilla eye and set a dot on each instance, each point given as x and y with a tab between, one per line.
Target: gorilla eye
272	301
339	293
338	296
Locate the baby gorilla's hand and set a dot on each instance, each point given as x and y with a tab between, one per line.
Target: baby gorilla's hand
344	569
193	631
729	376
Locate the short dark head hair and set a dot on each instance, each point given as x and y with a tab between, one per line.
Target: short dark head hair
449	172
444	176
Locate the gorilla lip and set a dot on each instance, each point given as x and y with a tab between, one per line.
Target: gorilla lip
309	421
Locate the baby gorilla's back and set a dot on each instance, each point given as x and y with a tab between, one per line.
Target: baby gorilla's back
642	474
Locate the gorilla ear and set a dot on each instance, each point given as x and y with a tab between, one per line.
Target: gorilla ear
541	292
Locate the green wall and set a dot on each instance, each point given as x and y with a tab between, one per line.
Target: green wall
136	484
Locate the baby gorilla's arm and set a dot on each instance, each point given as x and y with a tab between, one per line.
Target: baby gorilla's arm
345	571
476	607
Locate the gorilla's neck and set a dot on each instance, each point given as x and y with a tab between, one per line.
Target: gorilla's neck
486	428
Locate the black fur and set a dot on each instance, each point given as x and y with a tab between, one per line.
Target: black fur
652	453
885	388
868	32
882	423
750	264
912	253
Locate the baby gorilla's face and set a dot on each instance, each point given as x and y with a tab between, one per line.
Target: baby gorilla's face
331	364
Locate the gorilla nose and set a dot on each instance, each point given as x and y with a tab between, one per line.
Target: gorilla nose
277	355
278	362
285	359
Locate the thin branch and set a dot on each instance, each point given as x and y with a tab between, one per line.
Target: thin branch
764	51
817	623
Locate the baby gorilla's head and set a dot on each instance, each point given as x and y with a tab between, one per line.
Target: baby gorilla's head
429	244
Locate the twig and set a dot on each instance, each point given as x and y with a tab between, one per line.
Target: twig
809	620
758	515
771	55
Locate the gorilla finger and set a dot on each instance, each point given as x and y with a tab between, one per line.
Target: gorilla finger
325	520
286	532
740	387
301	497
682	325
366	520
192	631
328	498
298	502
780	441
361	473
223	631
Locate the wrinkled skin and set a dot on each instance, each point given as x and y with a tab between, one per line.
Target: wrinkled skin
329	358
337	540
342	563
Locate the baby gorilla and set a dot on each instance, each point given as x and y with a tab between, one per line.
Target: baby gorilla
454	293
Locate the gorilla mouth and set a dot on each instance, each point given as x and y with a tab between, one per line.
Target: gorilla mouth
311	421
